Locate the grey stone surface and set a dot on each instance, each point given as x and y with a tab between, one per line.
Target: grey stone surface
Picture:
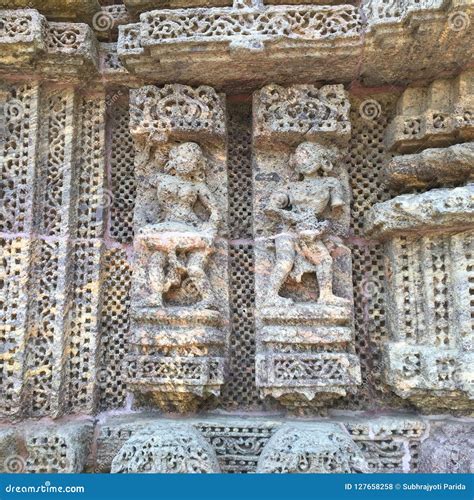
432	167
449	449
432	211
171	448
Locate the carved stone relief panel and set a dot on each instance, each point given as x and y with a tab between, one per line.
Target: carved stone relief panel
304	309
429	273
179	291
438	115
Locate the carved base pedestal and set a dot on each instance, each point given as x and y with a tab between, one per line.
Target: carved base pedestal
177	359
305	359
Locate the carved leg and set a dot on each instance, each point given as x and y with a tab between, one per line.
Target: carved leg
318	254
156	279
284	260
196	272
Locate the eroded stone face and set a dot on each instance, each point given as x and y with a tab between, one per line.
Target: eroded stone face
311	448
449	449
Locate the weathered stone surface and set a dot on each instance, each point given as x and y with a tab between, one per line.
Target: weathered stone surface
222	39
10	459
29	41
449	449
435	210
429	274
179	322
389	444
311	448
57	448
57	10
432	168
156	253
383	444
418	39
168	448
438	115
303	268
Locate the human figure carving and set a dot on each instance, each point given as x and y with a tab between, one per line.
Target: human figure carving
180	241
304	243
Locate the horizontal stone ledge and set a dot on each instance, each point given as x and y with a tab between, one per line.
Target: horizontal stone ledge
239	442
308	42
29	42
140	6
438	210
432	167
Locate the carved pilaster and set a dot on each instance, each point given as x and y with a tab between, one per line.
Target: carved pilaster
304	302
429	242
179	291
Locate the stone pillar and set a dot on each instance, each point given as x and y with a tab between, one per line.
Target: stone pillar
429	242
179	289
429	247
304	301
52	245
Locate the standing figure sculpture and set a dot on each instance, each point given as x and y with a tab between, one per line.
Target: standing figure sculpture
178	243
304	243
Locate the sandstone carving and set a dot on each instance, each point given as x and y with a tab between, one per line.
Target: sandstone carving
433	116
432	168
311	448
172	448
236	236
429	278
57	448
248	445
449	449
303	267
179	325
28	39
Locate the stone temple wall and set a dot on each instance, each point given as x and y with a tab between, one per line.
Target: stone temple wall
237	237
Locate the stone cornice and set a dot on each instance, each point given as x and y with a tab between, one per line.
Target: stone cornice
247	47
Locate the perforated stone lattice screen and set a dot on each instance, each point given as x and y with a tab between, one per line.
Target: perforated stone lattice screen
365	159
237	245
